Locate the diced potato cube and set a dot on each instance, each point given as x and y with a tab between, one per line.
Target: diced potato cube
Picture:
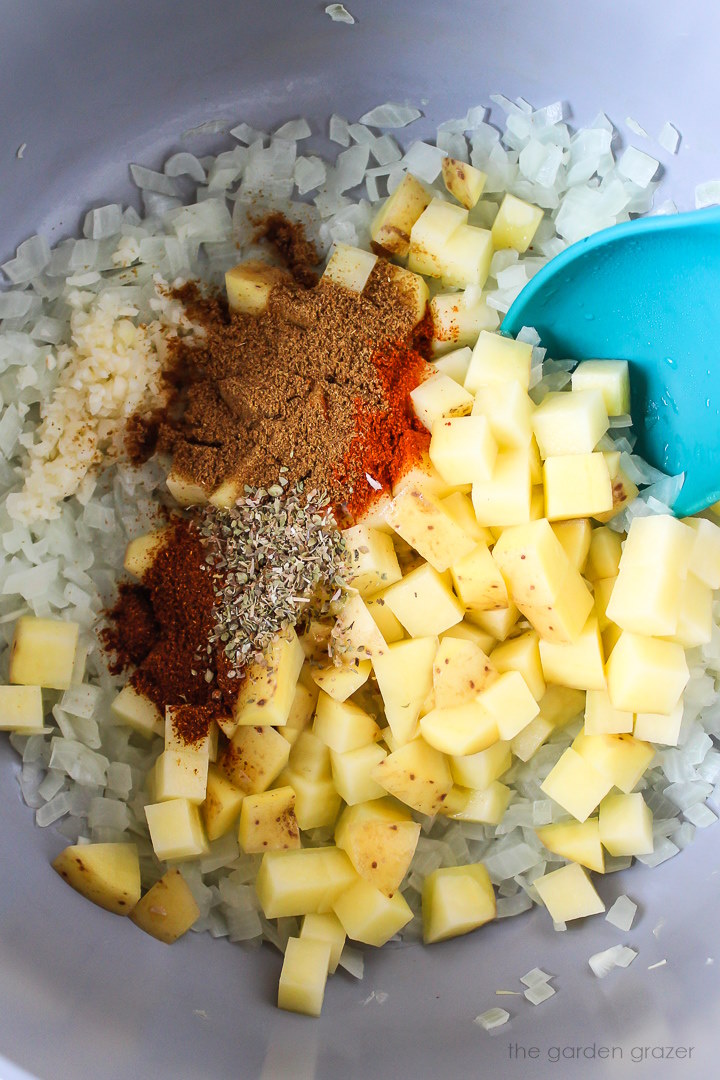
509	701
180	774
356	635
341	682
349	266
578	841
186	492
317	803
310	757
542	581
462	729
391	227
522	654
249	285
369	916
328	929
439	396
419	474
505	499
602	718
422	521
457	320
380	842
576	785
222	804
107	874
43	652
576	486
658	727
621	758
487	806
417	775
575	538
558	706
176	831
342	725
568	893
516	223
623	489
603	559
611	378
572	423
705	552
498	624
467	631
268	822
303	977
460	671
580	664
462	449
412	288
645	674
508	410
454	364
479	770
301	710
372	559
430	234
300	882
188	728
466	257
254	757
387	623
456	900
141	552
478	581
463	181
626	825
695	620
404	677
460	508
21	709
424	602
168	909
353	773
653	567
498	359
268	689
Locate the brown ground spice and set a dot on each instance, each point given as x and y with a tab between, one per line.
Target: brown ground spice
296	251
282	388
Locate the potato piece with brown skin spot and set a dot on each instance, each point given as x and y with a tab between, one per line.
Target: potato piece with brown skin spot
268	822
107	874
167	910
254	757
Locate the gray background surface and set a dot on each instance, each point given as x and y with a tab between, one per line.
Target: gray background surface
90	85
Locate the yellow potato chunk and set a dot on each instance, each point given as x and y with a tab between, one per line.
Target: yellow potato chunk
107	874
479	770
570	423
576	785
508	410
576	486
462	729
439	396
463	181
353	773
424	603
487	806
454	364
460	671
611	378
478	581
371	558
568	893
302	709
310	757
356	635
404	677
498	359
21	709
467	631
603	559
349	266
268	822
43	652
417	774
645	674
184	721
342	725
623	489
368	915
456	900
558	706
268	688
506	498
180	774
341	681
412	288
522	653
302	882
303	977
497	624
516	223
380	842
222	804
575	537
626	825
581	664
430	235
137	712
602	718
457	320
623	759
695	621
578	841
176	830
254	757
141	552
659	728
509	701
466	257
249	284
462	449
317	803
705	552
168	909
391	226
328	929
387	623
187	493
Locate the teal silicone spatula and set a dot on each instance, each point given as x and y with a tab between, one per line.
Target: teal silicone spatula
646	291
